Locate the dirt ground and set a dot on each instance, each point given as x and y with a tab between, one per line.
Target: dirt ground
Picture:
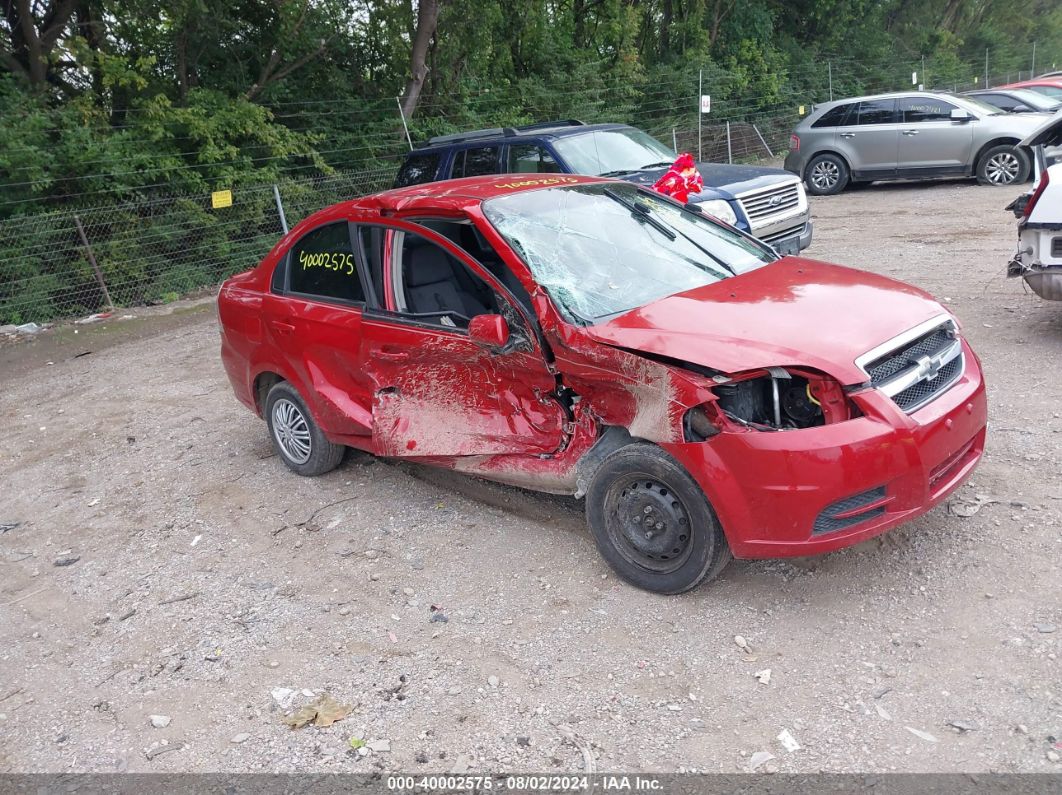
215	589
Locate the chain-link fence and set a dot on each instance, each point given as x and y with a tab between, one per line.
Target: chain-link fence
78	262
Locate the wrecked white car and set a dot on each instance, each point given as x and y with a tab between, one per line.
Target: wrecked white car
1039	212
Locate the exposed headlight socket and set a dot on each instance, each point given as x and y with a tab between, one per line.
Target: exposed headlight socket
777	374
697	426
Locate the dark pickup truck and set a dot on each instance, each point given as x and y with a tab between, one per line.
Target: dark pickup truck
769	203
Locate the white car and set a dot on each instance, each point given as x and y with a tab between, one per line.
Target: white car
1039	212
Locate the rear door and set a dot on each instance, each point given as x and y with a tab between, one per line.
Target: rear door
435	391
930	141
870	138
313	316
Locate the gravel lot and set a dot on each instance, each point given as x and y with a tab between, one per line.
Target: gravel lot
214	588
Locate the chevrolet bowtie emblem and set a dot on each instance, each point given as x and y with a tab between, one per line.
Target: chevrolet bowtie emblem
929	367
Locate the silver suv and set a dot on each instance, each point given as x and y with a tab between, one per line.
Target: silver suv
917	135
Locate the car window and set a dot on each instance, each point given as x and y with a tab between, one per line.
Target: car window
923	109
476	162
1055	92
469	239
322	265
531	159
1035	101
834	117
612	152
418	169
424	281
877	111
1001	101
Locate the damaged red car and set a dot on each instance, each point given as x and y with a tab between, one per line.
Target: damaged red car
588	337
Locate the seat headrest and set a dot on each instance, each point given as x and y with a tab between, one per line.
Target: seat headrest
427	265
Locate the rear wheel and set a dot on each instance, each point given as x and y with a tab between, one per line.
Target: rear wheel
826	175
652	523
298	441
1003	165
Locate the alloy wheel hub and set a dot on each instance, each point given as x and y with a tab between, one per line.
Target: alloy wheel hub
291	431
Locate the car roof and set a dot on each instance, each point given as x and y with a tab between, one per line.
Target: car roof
1044	81
451	195
547	129
870	97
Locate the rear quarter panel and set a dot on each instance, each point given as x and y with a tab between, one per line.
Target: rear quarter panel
239	318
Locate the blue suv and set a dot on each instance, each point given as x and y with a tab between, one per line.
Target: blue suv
769	203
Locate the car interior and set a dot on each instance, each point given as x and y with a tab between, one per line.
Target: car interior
434	285
465	235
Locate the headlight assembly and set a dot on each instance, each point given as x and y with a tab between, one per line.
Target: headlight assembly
718	208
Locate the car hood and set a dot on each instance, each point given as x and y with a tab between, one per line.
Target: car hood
1048	133
721	180
795	312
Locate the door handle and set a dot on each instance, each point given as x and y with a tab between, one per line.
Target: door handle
848	135
910	132
392	356
282	326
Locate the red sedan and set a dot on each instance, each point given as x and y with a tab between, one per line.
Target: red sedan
589	337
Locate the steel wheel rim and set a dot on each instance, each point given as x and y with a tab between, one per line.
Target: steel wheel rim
648	524
1002	168
825	175
291	431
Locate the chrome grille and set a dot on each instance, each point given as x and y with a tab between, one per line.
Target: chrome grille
761	206
924	391
920	367
784	234
892	363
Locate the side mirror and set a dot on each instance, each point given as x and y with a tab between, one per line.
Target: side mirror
958	114
488	331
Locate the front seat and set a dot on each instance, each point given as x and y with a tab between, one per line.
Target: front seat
432	288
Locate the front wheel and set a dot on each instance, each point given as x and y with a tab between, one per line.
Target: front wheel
301	445
652	522
1003	165
826	175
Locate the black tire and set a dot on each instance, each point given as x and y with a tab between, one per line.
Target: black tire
640	484
1003	165
304	448
826	175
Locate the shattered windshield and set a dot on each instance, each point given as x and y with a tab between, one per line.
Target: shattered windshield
605	249
602	153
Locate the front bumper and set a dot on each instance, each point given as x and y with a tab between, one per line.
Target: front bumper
815	490
794	244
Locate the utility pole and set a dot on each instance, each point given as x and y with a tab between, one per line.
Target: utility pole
829	68
986	67
700	93
925	80
1032	73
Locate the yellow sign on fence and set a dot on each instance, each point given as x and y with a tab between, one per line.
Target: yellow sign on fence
221	198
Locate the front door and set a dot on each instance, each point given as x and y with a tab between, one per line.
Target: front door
436	392
929	140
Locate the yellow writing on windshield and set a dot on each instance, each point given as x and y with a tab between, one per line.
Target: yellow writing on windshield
544	181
